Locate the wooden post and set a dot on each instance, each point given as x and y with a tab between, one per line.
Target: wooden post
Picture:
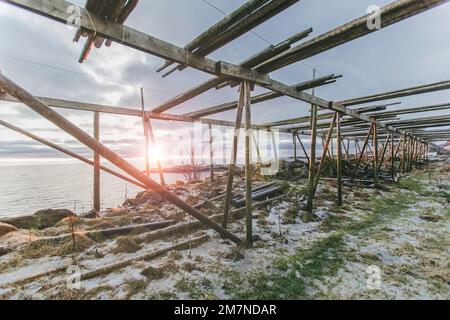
248	166
237	127
312	157
375	155
392	157
96	163
404	145
211	153
339	159
144	125
64	124
295	145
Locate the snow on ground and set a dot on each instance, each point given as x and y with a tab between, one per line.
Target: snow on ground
403	254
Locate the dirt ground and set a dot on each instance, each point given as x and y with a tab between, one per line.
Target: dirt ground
390	244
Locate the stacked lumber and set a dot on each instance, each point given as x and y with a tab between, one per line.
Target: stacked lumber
112	10
245	18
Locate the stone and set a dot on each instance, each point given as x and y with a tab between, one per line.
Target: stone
4	251
6	228
144	197
40	220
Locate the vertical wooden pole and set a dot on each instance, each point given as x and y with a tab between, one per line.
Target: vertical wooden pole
295	145
312	157
392	157
96	163
211	153
237	127
248	166
339	159
375	155
144	125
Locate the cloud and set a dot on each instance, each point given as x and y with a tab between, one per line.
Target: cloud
42	58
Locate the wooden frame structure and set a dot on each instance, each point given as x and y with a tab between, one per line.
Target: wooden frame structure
105	24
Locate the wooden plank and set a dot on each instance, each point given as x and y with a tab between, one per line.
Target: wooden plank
234	149
442	85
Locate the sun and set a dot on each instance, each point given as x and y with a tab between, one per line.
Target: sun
154	153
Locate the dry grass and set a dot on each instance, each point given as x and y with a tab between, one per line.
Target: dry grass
152	273
126	244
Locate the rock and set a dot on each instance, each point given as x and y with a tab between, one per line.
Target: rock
144	197
4	251
6	228
40	220
90	214
17	238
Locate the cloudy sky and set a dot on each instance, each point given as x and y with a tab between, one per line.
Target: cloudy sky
39	54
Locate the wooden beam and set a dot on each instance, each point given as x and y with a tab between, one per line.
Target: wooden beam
442	85
234	149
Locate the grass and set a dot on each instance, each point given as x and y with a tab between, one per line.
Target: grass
126	244
291	277
135	286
